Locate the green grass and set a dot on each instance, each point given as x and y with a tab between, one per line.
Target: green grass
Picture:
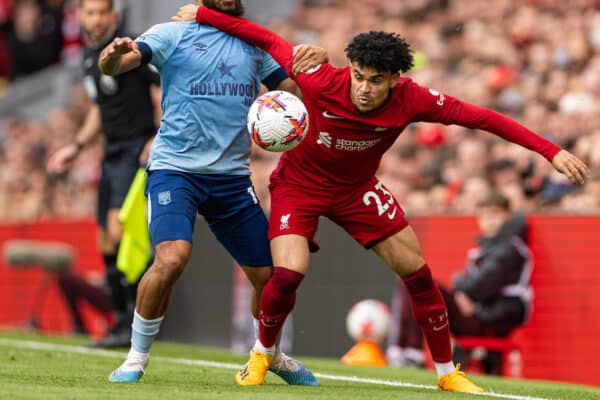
27	373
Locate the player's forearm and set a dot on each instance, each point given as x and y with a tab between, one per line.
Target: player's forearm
91	127
250	32
475	117
121	64
290	86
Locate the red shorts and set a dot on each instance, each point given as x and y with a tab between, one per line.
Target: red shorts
369	212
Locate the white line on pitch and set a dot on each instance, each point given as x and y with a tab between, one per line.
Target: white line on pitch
28	344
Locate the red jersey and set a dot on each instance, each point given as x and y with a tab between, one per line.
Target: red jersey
344	146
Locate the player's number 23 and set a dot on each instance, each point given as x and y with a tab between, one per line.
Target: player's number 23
383	205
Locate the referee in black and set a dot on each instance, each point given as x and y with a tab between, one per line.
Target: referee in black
123	111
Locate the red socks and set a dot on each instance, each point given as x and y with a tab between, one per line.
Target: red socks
276	302
430	312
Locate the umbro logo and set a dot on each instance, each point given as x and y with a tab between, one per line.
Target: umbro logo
201	47
324	139
326	114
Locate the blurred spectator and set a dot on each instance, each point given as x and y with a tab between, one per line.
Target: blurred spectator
5	19
35	40
490	297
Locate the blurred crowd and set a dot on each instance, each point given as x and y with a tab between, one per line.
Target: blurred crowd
537	61
35	34
27	191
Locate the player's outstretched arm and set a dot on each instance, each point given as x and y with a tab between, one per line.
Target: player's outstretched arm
303	57
248	31
432	106
509	129
119	56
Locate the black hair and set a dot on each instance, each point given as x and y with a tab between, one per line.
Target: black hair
382	51
110	3
238	11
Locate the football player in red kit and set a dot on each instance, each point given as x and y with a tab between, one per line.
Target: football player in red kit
356	113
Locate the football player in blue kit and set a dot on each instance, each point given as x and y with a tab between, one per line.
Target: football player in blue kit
199	163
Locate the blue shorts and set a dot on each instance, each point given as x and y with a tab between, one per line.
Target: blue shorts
228	203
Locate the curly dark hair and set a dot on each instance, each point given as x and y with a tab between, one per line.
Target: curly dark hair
382	51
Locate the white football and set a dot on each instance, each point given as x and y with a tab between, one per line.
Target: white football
368	320
277	121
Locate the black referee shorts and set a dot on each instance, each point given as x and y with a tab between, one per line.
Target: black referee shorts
119	167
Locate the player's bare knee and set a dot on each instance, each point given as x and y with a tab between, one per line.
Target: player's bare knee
169	267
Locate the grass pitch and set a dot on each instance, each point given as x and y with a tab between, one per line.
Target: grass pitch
50	367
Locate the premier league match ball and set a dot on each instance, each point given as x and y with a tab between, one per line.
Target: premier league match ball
368	320
277	121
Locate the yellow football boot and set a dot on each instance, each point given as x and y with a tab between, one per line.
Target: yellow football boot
456	381
255	370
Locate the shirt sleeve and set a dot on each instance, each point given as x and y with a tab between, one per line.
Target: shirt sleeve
161	40
432	106
251	33
270	73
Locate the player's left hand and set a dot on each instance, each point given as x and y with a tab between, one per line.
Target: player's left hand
186	13
307	56
571	166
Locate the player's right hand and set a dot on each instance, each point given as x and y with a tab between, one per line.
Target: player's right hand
571	166
117	47
307	56
186	13
62	159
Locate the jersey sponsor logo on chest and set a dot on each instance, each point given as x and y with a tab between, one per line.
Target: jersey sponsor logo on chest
342	144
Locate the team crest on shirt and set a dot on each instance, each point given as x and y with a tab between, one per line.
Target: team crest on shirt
285	219
164	198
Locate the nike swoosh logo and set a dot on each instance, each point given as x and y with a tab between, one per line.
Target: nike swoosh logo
439	328
326	114
392	214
